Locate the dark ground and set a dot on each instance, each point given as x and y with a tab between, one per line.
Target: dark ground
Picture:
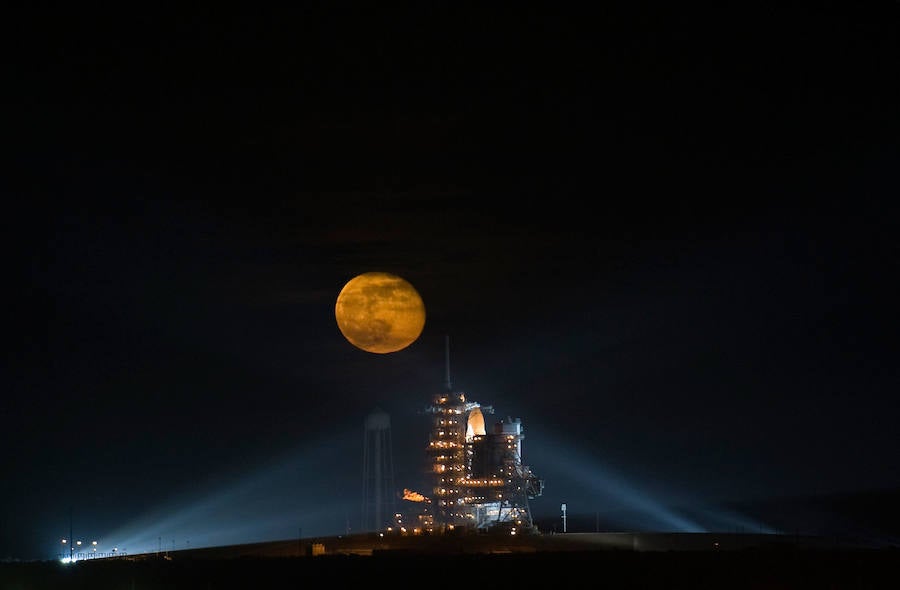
617	569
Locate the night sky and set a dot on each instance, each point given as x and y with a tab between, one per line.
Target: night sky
665	240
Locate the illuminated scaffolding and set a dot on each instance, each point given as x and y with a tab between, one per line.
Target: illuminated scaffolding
477	477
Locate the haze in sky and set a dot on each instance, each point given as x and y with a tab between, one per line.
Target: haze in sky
667	247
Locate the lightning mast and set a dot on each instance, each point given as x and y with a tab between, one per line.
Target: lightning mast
447	384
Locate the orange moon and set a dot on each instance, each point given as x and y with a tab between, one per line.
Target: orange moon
379	312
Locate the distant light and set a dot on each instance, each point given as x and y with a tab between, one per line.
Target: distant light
93	542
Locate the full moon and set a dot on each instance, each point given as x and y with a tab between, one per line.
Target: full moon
379	312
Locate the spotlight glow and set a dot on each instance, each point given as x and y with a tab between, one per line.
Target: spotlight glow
271	503
628	503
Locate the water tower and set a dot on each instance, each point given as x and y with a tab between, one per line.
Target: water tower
379	503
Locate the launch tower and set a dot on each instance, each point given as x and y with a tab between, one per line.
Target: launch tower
478	480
